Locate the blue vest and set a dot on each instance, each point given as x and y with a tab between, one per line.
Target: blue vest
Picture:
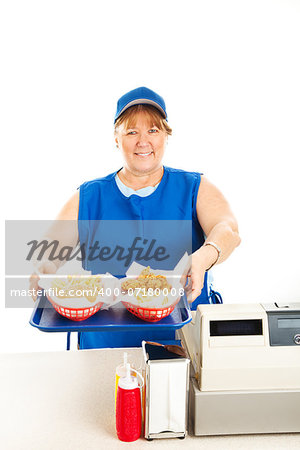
167	219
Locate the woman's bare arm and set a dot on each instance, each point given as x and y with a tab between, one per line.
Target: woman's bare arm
65	227
220	227
63	230
70	210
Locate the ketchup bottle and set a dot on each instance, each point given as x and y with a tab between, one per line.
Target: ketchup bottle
128	408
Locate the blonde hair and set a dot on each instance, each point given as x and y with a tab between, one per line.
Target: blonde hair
128	118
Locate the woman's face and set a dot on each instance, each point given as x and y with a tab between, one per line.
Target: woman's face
142	146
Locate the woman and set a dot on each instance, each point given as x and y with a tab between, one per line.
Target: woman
145	190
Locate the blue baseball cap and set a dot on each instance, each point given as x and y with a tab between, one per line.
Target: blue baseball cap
140	96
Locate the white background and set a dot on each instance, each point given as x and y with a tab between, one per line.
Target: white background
229	72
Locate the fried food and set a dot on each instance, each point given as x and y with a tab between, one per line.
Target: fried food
147	280
78	286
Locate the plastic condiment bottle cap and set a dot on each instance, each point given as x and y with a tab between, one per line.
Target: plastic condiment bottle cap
128	382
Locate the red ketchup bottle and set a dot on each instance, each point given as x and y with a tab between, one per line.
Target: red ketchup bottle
128	408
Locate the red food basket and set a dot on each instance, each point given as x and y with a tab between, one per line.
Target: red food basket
75	313
150	314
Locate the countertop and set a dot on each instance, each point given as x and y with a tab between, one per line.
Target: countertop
65	400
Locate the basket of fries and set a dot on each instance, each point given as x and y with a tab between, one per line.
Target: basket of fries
76	297
151	296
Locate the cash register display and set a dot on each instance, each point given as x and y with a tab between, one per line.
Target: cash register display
236	327
288	323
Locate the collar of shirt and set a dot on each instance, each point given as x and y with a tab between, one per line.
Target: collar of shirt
127	191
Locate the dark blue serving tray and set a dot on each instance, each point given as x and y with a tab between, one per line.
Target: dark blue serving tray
45	318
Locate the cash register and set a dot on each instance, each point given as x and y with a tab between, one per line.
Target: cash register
245	368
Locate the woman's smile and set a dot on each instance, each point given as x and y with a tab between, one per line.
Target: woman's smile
143	154
142	145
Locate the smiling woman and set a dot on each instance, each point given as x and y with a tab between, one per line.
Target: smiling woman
141	134
153	203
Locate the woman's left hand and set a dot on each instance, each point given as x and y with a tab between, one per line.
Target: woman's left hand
195	277
202	259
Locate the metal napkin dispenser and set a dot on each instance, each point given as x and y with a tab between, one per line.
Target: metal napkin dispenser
238	347
167	385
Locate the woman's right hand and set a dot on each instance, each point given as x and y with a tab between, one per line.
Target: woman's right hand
44	267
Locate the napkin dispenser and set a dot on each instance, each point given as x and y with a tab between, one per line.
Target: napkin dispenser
166	397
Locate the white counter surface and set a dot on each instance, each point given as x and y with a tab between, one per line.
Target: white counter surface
65	401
